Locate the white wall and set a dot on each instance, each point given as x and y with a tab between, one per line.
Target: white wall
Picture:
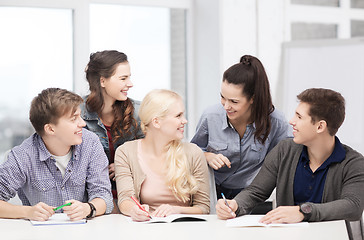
225	30
206	52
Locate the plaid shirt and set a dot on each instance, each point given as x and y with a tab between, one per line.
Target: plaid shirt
30	171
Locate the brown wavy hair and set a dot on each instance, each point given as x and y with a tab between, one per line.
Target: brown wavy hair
104	64
250	74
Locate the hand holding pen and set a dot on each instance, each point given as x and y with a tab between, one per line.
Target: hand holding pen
75	209
225	209
143	208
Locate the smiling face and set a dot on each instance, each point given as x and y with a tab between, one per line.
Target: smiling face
116	87
304	131
68	130
237	106
173	124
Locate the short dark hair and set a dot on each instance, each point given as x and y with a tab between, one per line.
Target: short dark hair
50	105
325	104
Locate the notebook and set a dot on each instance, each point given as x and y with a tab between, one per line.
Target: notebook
253	221
174	218
57	219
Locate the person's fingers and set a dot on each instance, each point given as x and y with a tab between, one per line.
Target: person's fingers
157	212
146	207
219	162
211	164
39	212
44	209
75	216
162	210
224	160
223	211
223	214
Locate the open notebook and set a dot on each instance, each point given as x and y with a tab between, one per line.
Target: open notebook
253	221
174	218
57	219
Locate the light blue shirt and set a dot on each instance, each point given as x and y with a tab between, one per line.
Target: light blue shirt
31	171
215	134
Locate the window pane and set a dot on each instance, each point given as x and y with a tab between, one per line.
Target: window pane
153	38
357	28
304	31
326	3
357	3
36	53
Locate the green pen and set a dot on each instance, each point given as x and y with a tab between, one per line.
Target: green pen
57	208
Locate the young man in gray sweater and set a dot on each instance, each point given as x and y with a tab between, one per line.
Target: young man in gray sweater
317	178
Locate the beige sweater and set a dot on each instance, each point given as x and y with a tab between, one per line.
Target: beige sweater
129	176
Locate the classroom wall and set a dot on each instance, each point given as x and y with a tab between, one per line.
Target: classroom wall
224	30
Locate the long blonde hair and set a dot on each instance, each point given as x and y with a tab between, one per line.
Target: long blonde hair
180	180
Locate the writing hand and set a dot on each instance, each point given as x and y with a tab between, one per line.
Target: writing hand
139	215
225	212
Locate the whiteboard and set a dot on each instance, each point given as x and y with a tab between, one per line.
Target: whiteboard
333	64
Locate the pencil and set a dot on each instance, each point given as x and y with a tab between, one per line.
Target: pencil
57	208
140	206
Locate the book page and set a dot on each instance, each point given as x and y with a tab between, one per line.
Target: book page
57	219
173	218
253	221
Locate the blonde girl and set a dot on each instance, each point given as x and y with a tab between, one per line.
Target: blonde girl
166	175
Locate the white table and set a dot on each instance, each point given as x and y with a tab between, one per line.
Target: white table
115	226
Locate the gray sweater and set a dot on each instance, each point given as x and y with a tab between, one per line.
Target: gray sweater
343	196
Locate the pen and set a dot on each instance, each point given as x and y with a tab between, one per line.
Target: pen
223	196
57	208
140	206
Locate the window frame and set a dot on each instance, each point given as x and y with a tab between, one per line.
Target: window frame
81	36
341	16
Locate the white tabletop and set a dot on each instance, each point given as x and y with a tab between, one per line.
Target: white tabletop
115	226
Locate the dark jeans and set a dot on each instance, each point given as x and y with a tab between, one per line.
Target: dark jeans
261	208
229	193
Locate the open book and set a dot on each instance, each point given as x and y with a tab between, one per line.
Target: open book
253	221
174	218
57	219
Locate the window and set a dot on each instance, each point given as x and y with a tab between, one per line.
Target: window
321	19
301	31
357	3
47	44
332	3
153	38
357	28
36	53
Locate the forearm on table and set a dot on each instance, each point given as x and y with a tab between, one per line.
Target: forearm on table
190	210
336	210
100	206
125	206
8	210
